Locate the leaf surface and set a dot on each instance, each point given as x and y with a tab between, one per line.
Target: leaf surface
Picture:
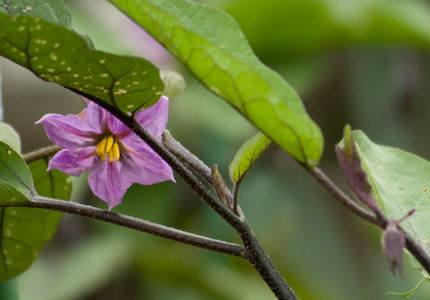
51	10
24	231
59	55
209	43
246	156
400	182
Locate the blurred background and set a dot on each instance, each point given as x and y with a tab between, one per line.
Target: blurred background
363	62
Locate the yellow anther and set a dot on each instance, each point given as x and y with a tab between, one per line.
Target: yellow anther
101	147
109	144
116	152
111	156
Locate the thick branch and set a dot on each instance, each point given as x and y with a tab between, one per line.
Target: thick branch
137	224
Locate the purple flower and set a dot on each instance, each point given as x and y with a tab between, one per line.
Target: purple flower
96	141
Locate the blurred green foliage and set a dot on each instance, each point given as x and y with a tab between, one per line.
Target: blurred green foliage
363	62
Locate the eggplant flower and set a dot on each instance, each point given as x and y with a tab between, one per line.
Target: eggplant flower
98	142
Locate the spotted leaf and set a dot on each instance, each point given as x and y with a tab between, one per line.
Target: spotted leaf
59	55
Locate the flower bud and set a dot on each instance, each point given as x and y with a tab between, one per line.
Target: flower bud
220	187
393	242
174	83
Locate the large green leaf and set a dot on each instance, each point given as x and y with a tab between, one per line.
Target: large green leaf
57	54
24	231
53	184
51	10
211	45
246	156
400	182
328	24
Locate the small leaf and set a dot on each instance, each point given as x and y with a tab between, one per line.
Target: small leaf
59	55
53	11
9	136
14	171
211	45
400	183
246	156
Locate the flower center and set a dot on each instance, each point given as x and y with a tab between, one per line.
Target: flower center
108	146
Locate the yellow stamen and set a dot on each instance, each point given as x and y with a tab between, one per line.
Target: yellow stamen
101	147
109	144
111	156
116	152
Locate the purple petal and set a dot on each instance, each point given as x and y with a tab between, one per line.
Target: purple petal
116	126
154	118
95	116
74	162
142	165
69	131
85	100
107	182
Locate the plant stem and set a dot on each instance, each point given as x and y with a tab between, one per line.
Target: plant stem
137	224
41	153
254	253
186	156
264	266
416	250
342	198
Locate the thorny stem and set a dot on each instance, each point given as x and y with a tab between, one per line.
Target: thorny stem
416	250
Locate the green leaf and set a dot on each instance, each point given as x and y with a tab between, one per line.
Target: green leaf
59	55
400	183
9	290
245	158
211	45
25	230
52	184
9	136
14	171
53	11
